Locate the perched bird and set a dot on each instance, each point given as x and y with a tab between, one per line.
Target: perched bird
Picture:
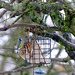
20	44
24	45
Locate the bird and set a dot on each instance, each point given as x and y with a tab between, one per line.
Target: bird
24	45
29	51
20	44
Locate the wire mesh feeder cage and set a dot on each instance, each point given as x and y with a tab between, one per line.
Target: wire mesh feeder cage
38	50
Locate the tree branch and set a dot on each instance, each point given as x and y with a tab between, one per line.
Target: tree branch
7	55
29	25
54	36
6	5
67	36
32	66
3	13
70	46
19	69
5	10
57	38
60	59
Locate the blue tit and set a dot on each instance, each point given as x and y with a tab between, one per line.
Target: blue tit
20	44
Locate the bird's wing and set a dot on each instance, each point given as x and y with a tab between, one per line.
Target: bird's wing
21	44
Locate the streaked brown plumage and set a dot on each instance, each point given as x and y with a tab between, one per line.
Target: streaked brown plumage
32	55
28	48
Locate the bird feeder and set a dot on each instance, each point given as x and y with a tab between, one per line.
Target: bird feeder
39	51
35	50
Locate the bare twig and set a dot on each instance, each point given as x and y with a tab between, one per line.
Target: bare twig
18	70
53	36
28	25
60	59
5	10
8	55
6	5
3	13
35	65
70	46
10	48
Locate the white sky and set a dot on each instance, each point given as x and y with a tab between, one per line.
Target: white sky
3	39
70	0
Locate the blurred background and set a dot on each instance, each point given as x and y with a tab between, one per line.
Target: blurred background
10	60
